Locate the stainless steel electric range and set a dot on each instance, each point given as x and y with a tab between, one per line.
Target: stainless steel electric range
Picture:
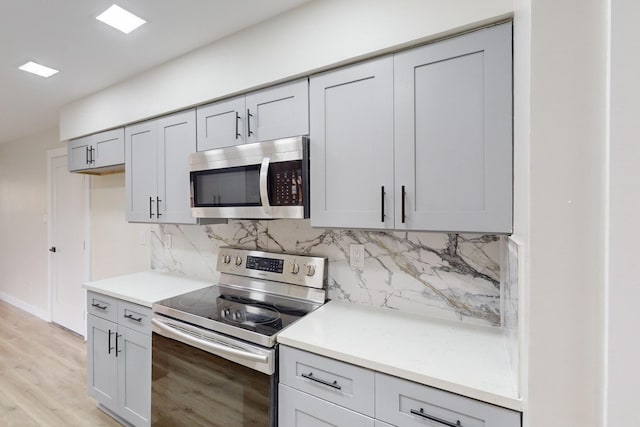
214	350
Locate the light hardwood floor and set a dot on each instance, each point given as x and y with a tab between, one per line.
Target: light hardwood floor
43	374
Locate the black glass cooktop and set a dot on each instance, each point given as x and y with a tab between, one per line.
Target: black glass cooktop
240	313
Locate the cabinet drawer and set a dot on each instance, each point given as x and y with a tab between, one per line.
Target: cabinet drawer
298	409
102	306
338	382
405	403
134	316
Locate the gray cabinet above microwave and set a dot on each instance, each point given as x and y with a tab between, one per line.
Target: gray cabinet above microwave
276	112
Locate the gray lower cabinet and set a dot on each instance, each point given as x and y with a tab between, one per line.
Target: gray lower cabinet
157	169
119	357
417	140
276	112
404	403
298	409
98	153
317	391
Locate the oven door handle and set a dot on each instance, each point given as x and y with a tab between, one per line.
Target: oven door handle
212	347
264	190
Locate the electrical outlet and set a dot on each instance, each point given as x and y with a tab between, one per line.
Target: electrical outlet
356	256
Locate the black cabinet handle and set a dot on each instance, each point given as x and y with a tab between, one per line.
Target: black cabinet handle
382	202
151	214
52	249
158	214
237	119
117	351
422	414
403	197
109	348
130	316
91	150
310	376
86	155
249	115
98	306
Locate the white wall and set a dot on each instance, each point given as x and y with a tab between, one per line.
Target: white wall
23	206
624	283
24	254
117	247
317	35
566	216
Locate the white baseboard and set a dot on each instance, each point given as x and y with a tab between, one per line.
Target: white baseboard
44	315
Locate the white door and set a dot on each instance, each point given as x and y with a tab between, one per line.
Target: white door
68	245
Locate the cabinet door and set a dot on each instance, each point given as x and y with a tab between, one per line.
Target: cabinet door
453	136
108	148
297	409
221	124
278	112
141	175
176	140
134	376
404	403
102	368
351	113
78	154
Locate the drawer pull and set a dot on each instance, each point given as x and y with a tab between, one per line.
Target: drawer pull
421	413
98	306
130	316
310	376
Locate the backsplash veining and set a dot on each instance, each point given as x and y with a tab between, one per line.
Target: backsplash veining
445	275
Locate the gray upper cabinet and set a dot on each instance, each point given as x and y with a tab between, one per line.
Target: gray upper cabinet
157	169
276	112
98	153
453	134
221	124
141	172
351	114
418	140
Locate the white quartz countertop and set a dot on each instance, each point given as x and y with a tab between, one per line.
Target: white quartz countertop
147	287
465	359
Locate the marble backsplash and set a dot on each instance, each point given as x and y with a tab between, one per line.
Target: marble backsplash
445	275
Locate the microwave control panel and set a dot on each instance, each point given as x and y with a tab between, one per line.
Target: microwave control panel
285	183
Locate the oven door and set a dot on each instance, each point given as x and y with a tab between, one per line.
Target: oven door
201	378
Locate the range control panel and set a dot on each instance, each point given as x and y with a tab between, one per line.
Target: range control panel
296	269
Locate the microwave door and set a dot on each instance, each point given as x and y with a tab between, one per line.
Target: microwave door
264	190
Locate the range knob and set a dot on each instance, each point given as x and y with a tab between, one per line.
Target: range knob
226	259
295	268
310	270
238	260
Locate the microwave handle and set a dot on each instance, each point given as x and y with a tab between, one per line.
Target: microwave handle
264	191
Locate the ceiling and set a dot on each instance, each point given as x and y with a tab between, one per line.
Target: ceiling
64	34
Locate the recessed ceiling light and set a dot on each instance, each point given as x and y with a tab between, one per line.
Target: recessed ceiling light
120	19
41	70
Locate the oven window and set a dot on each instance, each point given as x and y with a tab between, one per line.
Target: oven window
238	186
194	388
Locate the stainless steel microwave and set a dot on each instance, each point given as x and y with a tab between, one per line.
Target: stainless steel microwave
264	180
